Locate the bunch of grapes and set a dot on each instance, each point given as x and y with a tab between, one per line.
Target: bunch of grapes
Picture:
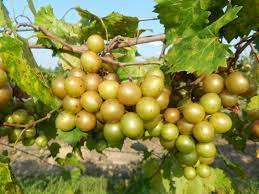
28	136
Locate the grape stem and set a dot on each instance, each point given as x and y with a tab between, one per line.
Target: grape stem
254	51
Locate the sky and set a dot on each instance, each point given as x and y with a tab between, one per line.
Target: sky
141	9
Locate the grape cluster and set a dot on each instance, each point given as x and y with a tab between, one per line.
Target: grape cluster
6	91
28	136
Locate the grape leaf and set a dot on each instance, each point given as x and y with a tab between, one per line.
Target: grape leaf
71	160
22	68
71	137
115	23
183	17
193	54
4	16
68	61
31	6
254	103
54	149
247	20
5	176
59	27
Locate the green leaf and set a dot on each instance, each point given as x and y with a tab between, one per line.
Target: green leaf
193	54
68	61
5	176
71	137
115	24
213	28
59	27
247	20
22	68
54	149
183	17
217	182
31	6
71	160
4	16
254	103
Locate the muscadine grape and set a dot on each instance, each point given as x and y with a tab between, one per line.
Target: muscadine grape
193	112
213	83
41	141
203	132
255	129
150	124
155	132
85	121
147	108
112	110
206	150
30	132
65	121
20	116
112	132
132	125
108	89
228	99
211	102
76	72
221	122
236	83
207	161
189	173
189	159
95	43
185	144
185	128
203	171
58	87
156	72
172	115
169	132
112	77
92	81
169	145
129	93
91	101
74	86
163	99
6	93
152	86
71	104
91	62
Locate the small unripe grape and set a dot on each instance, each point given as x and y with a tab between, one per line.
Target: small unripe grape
189	159
3	78
92	81
74	86
112	77
169	132
71	104
213	83
91	101
112	132
236	83
169	145
129	93
76	72
221	122
95	43
65	121
189	173
156	131
108	89
58	87
211	102
85	121
132	125
150	124
30	133
203	171
156	72
20	116
207	161
172	115
206	150
41	141
91	62
163	100
193	112
185	128
147	108
203	132
152	86
228	99
185	144
112	110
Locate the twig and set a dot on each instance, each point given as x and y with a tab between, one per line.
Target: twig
198	80
253	49
34	123
147	19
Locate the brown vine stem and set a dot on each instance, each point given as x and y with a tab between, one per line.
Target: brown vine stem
254	52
